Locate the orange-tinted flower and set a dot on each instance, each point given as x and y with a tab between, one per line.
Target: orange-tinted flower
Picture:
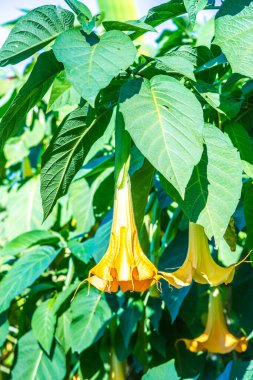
124	263
216	337
199	264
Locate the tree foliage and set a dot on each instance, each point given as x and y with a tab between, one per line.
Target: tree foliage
89	91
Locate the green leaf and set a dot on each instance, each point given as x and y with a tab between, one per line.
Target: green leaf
4	327
215	185
163	371
34	364
90	315
33	90
24	272
27	240
34	31
234	33
129	319
67	152
176	64
248	210
164	116
242	142
82	199
174	299
63	94
128	26
164	12
25	209
90	63
193	7
43	324
237	370
63	334
141	182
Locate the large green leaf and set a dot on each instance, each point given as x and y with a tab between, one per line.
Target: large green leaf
90	63
67	152
33	90
24	272
43	324
25	209
90	313
163	371
234	34
34	31
27	240
165	121
63	333
34	364
214	189
242	142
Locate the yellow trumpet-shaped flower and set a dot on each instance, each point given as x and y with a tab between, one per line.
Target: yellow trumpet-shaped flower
216	337
124	263
199	264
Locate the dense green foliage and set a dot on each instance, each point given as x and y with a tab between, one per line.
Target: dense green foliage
188	110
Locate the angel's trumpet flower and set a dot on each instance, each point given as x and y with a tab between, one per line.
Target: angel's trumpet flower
124	264
216	337
199	264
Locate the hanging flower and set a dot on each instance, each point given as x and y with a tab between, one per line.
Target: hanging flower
124	264
199	264
216	337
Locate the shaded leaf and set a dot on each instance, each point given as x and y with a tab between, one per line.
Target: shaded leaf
128	26
33	90
242	142
66	153
129	319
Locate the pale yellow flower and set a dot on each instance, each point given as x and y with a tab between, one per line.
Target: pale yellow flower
199	264
216	337
124	264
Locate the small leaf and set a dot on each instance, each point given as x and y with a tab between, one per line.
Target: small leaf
43	324
90	63
66	153
128	26
33	90
34	31
164	116
234	33
63	334
4	327
34	364
230	235
24	272
242	141
90	315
